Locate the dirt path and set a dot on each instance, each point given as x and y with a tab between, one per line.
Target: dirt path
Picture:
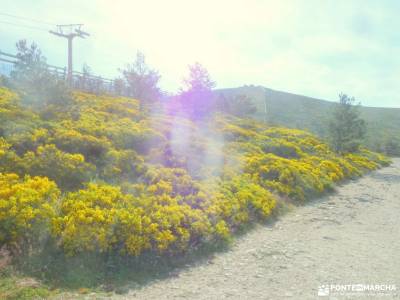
349	237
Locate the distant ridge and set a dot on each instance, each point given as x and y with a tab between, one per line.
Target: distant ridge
313	114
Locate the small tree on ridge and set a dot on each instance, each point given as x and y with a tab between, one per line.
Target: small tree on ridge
347	129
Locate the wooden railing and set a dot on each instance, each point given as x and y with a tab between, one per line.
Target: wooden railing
80	80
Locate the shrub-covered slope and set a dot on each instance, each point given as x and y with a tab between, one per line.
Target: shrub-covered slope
306	113
99	175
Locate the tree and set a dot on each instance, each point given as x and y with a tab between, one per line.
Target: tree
239	105
32	77
199	79
196	97
142	81
347	129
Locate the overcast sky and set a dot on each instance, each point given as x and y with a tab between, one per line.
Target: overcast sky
311	47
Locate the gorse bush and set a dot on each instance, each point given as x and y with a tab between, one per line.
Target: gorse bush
103	176
39	86
27	208
68	170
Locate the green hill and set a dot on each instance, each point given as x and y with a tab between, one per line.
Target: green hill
296	111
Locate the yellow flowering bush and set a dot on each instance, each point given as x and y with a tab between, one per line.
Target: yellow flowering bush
102	218
27	206
238	201
72	141
135	182
175	207
29	140
121	165
9	107
68	170
292	162
89	218
9	160
169	214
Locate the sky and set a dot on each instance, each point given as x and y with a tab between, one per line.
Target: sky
309	47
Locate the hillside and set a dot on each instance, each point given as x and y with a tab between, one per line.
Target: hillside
96	181
296	111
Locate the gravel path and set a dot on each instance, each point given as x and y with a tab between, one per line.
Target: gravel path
349	237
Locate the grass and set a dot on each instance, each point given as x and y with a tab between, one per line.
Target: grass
14	286
96	273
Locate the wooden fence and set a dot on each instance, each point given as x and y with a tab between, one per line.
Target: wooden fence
80	80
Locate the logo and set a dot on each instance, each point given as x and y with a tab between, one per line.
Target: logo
358	288
323	290
371	290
